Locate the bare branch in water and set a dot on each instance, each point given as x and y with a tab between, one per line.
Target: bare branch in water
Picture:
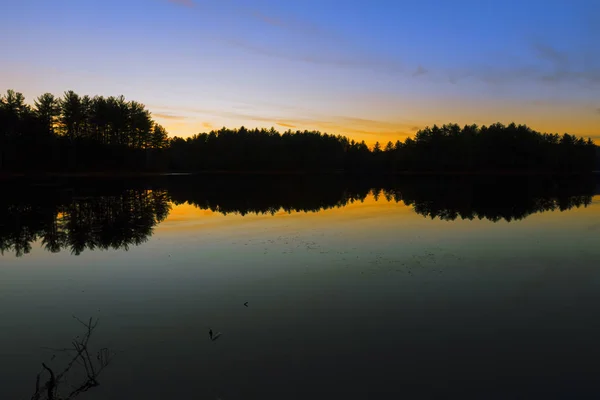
80	355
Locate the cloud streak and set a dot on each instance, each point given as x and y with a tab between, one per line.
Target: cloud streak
168	116
286	125
343	61
185	3
352	57
336	124
290	24
420	71
551	66
294	25
548	53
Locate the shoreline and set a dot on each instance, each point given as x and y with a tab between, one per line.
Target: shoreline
121	175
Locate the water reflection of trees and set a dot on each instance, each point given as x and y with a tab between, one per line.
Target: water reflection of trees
79	221
268	195
508	199
494	199
124	215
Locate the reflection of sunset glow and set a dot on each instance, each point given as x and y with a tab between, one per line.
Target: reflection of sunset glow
185	211
116	222
186	217
189	217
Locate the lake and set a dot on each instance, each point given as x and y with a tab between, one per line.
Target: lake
414	287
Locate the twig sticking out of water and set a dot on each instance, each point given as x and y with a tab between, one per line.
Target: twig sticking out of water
80	355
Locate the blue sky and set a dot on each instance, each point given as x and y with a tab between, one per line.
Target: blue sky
372	70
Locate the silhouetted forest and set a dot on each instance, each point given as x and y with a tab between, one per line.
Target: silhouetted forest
78	133
116	216
496	148
96	134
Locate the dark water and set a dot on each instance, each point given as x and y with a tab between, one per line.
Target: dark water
417	288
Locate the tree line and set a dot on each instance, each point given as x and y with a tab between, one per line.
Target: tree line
108	216
81	133
77	133
494	148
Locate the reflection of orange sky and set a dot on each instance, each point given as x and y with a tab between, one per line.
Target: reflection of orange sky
186	217
189	217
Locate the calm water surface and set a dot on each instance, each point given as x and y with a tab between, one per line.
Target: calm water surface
424	290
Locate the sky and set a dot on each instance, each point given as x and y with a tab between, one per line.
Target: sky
371	70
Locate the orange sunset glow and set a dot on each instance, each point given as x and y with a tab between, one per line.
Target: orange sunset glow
215	64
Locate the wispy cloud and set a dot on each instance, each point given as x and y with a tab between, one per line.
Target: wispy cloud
294	25
168	116
550	66
186	3
232	8
268	20
324	58
336	124
420	71
563	68
598	110
286	125
546	52
342	54
372	124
